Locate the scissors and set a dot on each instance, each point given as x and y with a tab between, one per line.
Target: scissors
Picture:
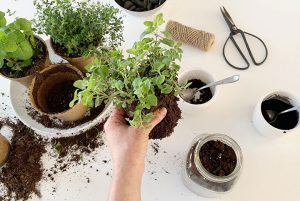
234	31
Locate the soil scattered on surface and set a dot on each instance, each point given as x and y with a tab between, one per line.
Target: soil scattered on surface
203	95
285	121
218	158
48	122
59	96
23	170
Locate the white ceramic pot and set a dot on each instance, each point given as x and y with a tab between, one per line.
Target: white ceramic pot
260	123
204	77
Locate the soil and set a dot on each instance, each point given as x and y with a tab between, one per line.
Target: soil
205	94
48	122
218	158
140	5
23	169
166	127
62	51
285	121
38	60
59	96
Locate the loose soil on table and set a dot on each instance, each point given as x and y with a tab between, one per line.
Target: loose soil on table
48	122
285	121
205	94
218	158
166	127
23	170
140	5
59	96
38	61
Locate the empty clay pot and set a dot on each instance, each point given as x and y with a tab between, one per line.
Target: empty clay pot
44	82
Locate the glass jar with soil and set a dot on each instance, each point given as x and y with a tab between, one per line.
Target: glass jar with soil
212	165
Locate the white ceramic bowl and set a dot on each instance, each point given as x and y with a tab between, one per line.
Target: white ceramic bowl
262	126
205	77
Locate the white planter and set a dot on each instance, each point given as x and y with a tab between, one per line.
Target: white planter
262	126
205	77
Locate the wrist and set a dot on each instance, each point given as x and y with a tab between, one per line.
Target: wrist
129	169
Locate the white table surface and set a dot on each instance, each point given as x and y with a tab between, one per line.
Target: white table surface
271	168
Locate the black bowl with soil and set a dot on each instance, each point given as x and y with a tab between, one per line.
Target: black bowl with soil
140	6
286	121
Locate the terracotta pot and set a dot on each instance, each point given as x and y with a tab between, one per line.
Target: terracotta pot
41	64
43	83
79	62
4	150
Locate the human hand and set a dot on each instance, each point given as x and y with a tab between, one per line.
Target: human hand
128	145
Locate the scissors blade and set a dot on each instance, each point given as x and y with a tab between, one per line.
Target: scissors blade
228	19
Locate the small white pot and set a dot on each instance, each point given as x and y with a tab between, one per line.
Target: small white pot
263	126
204	77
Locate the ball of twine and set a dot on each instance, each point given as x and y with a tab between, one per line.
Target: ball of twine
197	38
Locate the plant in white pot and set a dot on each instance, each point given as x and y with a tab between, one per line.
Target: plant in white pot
79	29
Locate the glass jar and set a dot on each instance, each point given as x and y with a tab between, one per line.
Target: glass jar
198	179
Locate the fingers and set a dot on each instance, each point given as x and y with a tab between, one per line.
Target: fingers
159	115
117	116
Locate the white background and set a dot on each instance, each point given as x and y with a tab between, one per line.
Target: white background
271	168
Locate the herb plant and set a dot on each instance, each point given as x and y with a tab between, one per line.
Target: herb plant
79	27
134	82
16	43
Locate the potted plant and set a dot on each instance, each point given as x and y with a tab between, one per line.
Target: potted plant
141	82
22	54
80	29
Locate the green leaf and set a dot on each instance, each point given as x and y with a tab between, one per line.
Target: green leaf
23	24
151	100
148	23
58	148
166	89
168	42
159	19
80	84
2	19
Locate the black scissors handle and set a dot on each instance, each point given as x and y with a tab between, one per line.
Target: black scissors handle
238	31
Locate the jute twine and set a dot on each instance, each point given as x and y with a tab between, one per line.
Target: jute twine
194	37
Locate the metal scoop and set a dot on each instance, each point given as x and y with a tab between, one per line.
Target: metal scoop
273	115
188	94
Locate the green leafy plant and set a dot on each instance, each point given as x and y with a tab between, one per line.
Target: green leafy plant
17	43
79	27
134	82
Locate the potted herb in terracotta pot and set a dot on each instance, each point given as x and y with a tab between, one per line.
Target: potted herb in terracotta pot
140	83
22	54
52	89
79	29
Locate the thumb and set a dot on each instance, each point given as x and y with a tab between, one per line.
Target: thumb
159	115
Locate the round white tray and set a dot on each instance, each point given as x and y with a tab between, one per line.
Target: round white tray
19	100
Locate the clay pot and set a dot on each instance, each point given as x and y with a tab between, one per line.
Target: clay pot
4	150
39	65
45	81
79	62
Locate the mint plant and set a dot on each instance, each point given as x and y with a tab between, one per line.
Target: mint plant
136	81
17	43
79	27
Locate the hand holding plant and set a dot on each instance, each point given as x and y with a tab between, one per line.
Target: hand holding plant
134	83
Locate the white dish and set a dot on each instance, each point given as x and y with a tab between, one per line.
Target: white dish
19	100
